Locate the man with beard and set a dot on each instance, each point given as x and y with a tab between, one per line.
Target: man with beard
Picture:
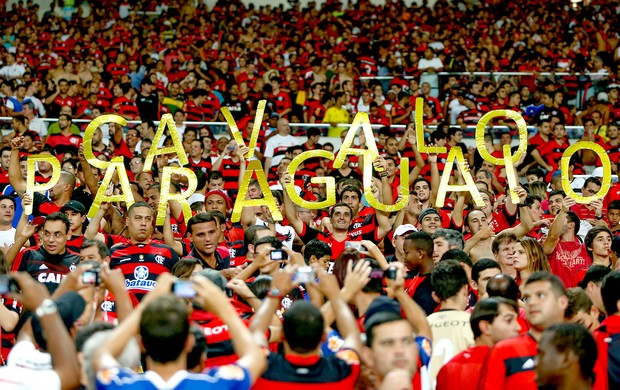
237	107
65	141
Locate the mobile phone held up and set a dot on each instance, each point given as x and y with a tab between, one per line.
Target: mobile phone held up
184	289
278	254
356	245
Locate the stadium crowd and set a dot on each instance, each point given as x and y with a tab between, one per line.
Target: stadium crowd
505	295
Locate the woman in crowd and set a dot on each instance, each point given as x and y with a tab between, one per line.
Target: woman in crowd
529	257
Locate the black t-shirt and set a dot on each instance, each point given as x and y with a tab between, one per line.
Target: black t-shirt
148	107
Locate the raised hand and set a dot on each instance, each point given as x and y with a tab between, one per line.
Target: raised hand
17	143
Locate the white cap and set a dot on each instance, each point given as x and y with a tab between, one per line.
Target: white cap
598	172
406	228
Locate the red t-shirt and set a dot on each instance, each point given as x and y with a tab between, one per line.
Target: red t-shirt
567	259
511	364
464	369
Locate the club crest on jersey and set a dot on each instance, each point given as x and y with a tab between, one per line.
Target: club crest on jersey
160	259
107	306
72	267
141	273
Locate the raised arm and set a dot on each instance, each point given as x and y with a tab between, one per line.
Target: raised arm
241	152
282	281
23	232
347	325
15	174
169	239
357	278
61	347
107	355
527	224
289	207
419	161
92	182
414	313
213	299
555	230
92	231
435	177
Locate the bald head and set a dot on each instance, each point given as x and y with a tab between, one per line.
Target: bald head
502	285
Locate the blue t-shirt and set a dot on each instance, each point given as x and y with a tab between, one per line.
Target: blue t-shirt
224	377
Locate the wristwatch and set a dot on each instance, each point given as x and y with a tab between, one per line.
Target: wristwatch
275	293
599	217
46	307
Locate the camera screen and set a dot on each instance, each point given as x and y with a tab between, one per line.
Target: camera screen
276	254
89	277
184	289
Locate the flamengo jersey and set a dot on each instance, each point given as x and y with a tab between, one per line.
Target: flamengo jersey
44	267
142	264
511	365
224	377
607	367
221	350
337	247
335	372
464	369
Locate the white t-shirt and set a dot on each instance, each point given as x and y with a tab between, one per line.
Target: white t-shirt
39	126
277	145
11	71
28	369
434	63
285	233
38	105
7	237
361	107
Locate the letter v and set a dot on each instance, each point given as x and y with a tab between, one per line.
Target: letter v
258	121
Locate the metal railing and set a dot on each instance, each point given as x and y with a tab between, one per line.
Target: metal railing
220	129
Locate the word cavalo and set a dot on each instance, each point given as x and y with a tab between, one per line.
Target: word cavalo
255	169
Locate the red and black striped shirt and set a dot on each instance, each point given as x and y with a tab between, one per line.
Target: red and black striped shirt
230	173
142	264
46	268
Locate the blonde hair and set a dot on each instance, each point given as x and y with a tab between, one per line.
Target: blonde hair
539	189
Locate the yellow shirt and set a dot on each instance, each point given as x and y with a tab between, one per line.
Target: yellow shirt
336	115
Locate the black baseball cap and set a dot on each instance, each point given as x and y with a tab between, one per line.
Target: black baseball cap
70	307
75	206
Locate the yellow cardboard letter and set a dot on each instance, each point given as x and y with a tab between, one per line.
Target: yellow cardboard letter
255	166
31	186
330	182
177	145
165	194
457	154
605	183
361	119
258	120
